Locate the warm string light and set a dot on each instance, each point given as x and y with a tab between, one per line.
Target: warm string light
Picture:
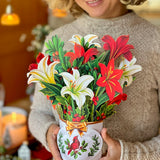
9	18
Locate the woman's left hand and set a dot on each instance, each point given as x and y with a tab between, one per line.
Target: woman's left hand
114	148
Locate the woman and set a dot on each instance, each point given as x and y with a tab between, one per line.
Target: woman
134	129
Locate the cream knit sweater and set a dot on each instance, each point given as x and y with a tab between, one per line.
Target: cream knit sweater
136	123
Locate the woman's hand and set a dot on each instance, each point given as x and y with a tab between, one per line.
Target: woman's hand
52	141
114	148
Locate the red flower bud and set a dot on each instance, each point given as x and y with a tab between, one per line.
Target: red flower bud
33	66
76	115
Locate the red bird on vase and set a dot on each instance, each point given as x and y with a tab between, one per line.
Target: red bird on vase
75	145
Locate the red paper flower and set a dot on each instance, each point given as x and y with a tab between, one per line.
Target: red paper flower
118	99
39	57
118	47
109	79
33	66
80	52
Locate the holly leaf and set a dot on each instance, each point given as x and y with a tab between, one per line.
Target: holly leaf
85	111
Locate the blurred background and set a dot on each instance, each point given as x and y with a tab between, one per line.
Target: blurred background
22	35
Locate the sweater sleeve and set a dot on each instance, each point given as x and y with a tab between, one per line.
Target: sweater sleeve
42	115
148	150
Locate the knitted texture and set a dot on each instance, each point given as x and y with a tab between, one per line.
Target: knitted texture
136	122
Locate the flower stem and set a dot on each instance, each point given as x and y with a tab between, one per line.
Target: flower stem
92	113
73	107
97	91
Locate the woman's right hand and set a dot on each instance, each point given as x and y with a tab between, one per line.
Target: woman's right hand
52	141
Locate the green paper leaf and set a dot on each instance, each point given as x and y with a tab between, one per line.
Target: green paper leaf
54	88
72	153
102	99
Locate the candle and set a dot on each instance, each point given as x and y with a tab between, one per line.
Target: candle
14	126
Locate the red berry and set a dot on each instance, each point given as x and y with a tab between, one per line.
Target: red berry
98	118
82	117
65	111
69	112
78	119
56	53
76	115
102	114
95	68
74	120
103	117
69	107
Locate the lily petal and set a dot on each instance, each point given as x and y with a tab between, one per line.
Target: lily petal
65	90
88	92
132	70
76	74
83	82
68	78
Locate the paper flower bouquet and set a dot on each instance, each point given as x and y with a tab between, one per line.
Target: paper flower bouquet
84	86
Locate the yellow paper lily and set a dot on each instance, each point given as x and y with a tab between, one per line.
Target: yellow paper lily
88	38
129	69
44	72
77	86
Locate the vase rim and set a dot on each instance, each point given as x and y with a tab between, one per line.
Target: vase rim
88	123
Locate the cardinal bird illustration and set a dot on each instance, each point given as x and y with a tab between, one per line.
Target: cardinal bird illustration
75	145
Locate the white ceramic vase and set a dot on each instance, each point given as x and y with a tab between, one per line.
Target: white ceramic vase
80	141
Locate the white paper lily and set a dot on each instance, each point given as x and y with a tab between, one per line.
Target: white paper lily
128	70
76	86
88	38
44	72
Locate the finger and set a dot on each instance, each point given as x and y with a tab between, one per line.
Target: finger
106	137
103	158
54	148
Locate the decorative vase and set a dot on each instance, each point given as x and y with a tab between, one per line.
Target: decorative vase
80	140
